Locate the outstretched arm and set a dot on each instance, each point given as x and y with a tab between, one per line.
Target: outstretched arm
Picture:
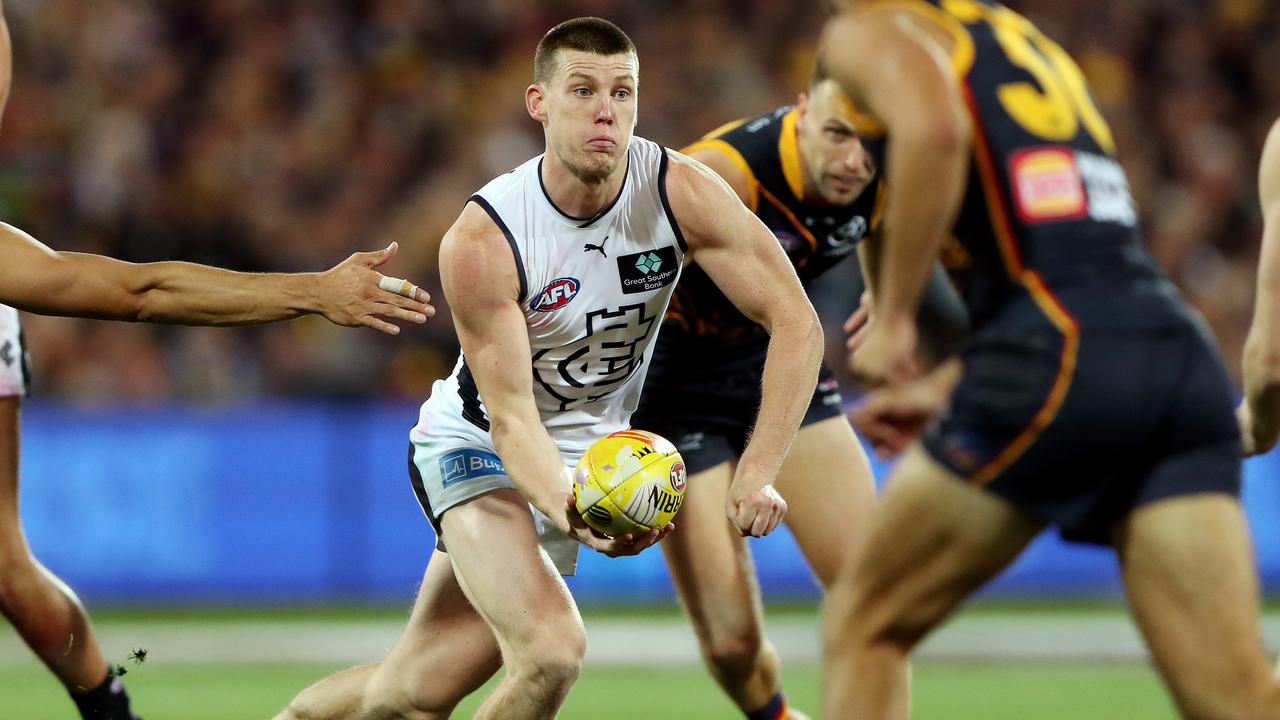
481	282
37	279
904	78
748	265
1260	412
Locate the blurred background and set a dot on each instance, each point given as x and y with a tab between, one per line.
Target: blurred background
196	468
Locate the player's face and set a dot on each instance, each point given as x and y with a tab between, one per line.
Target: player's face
838	166
588	110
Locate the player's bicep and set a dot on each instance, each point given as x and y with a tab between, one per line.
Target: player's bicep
495	343
901	72
729	164
479	279
733	246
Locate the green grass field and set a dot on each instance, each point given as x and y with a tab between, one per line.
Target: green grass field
942	692
943	689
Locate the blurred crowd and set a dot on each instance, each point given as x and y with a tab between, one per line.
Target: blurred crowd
285	134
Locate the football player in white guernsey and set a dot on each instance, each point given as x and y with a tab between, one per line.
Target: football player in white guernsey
45	612
558	274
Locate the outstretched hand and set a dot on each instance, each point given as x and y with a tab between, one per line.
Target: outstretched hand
891	418
353	293
625	544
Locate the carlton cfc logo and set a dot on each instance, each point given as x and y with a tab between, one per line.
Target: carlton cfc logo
556	294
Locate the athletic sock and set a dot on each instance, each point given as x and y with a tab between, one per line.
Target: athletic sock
775	709
108	701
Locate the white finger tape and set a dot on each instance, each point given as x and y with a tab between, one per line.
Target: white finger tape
398	286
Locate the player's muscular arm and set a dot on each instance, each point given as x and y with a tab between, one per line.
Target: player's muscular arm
37	279
1262	349
741	184
480	280
905	79
748	265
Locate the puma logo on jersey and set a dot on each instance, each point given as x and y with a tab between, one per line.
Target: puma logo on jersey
6	353
588	247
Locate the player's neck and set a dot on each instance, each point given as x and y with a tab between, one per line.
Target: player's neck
577	195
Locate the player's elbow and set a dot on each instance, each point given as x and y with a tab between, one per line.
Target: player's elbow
941	135
508	425
801	330
143	304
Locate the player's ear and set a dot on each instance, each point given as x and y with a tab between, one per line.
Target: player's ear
535	102
802	104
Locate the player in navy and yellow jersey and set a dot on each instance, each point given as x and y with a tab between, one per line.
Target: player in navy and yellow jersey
803	172
1260	411
1090	398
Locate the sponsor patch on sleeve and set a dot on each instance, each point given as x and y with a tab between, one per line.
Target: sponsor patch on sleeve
1047	185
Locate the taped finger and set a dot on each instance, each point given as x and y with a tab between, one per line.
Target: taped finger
398	286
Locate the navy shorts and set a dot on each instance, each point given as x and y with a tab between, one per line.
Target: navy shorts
1081	436
710	421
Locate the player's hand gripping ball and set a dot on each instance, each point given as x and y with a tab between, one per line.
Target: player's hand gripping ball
630	481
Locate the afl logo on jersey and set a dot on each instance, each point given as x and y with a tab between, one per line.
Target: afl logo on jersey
556	294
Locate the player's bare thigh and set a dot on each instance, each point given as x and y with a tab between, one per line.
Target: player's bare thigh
708	558
1195	597
508	578
932	540
827	482
445	652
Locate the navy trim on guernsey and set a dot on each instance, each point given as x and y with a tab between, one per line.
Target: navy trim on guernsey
511	240
24	362
666	204
586	221
471	409
420	489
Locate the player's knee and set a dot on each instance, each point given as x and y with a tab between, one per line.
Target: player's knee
734	652
17	575
552	669
554	659
863	620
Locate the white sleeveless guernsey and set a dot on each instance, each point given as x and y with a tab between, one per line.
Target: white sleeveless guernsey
594	291
13	357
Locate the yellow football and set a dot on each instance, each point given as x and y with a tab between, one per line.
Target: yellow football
630	481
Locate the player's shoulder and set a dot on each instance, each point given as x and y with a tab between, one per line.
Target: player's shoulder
701	201
754	139
744	151
476	254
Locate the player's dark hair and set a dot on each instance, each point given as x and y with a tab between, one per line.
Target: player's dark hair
585	34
